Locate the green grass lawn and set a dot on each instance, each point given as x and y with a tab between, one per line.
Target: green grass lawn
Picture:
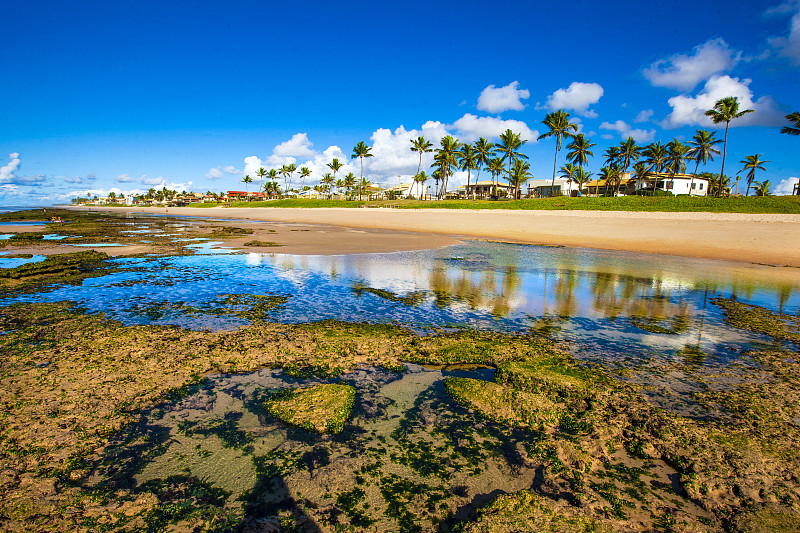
741	204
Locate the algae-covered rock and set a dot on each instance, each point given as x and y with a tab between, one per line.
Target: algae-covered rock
320	408
502	404
756	318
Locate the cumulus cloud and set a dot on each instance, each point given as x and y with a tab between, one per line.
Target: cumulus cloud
498	99
89	178
298	146
8	173
786	186
145	180
625	131
690	110
577	97
685	71
644	115
124	178
470	127
788	46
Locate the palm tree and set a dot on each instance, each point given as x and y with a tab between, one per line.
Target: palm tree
420	180
702	150
568	172
676	158
335	165
466	161
361	150
794	119
509	146
520	173
640	171
628	151
247	179
610	174
726	110
326	182
656	157
581	177
751	164
495	167
364	182
261	173
580	150
484	150
762	189
285	173
304	173
436	175
422	146
339	185
446	158
560	126
349	184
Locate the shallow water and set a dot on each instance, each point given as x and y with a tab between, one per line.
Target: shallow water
602	300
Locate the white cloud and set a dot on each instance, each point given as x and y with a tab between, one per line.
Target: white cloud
786	186
577	97
625	131
644	115
690	110
498	99
145	180
788	46
298	146
684	71
214	173
470	127
8	172
125	178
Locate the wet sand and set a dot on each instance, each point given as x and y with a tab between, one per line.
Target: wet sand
769	239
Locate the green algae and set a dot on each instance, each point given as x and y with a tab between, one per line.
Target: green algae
320	408
412	299
755	318
262	244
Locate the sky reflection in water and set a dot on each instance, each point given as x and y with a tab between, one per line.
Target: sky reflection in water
594	297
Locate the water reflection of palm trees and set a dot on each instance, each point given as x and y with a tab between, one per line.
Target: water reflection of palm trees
491	289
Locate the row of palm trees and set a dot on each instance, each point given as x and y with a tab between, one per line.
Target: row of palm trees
504	159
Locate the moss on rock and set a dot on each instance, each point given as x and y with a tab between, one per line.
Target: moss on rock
319	408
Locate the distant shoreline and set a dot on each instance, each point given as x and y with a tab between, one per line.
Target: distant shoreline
767	239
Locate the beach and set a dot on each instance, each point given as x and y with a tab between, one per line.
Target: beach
768	239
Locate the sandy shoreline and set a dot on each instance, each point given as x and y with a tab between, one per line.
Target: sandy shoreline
754	238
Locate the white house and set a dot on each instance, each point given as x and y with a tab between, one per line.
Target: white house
676	184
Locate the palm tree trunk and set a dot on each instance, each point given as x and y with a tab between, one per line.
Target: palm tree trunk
468	178
724	152
691	185
555	162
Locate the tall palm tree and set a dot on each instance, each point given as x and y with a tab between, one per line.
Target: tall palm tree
261	173
326	182
361	150
581	177
437	176
580	150
520	173
335	165
509	146
640	171
794	128
466	161
751	164
678	154
495	167
304	173
611	174
446	158
726	110
349	184
702	151
628	151
423	146
656	157
484	151
420	180
290	170
247	179
339	186
561	128
568	172
285	173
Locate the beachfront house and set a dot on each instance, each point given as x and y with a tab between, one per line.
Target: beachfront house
404	190
485	189
546	188
674	183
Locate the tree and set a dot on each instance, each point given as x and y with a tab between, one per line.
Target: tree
794	128
495	167
520	173
326	182
247	179
702	150
361	151
290	169
339	187
466	161
509	145
656	157
304	173
580	150
677	155
628	151
751	164
446	158
273	176
568	172
726	110
349	184
560	128
610	174
484	151
335	165
762	189
261	173
422	146
581	177
420	180
640	171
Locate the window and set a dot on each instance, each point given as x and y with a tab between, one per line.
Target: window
670	184
694	186
701	186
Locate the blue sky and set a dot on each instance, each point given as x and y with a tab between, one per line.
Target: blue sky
124	96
